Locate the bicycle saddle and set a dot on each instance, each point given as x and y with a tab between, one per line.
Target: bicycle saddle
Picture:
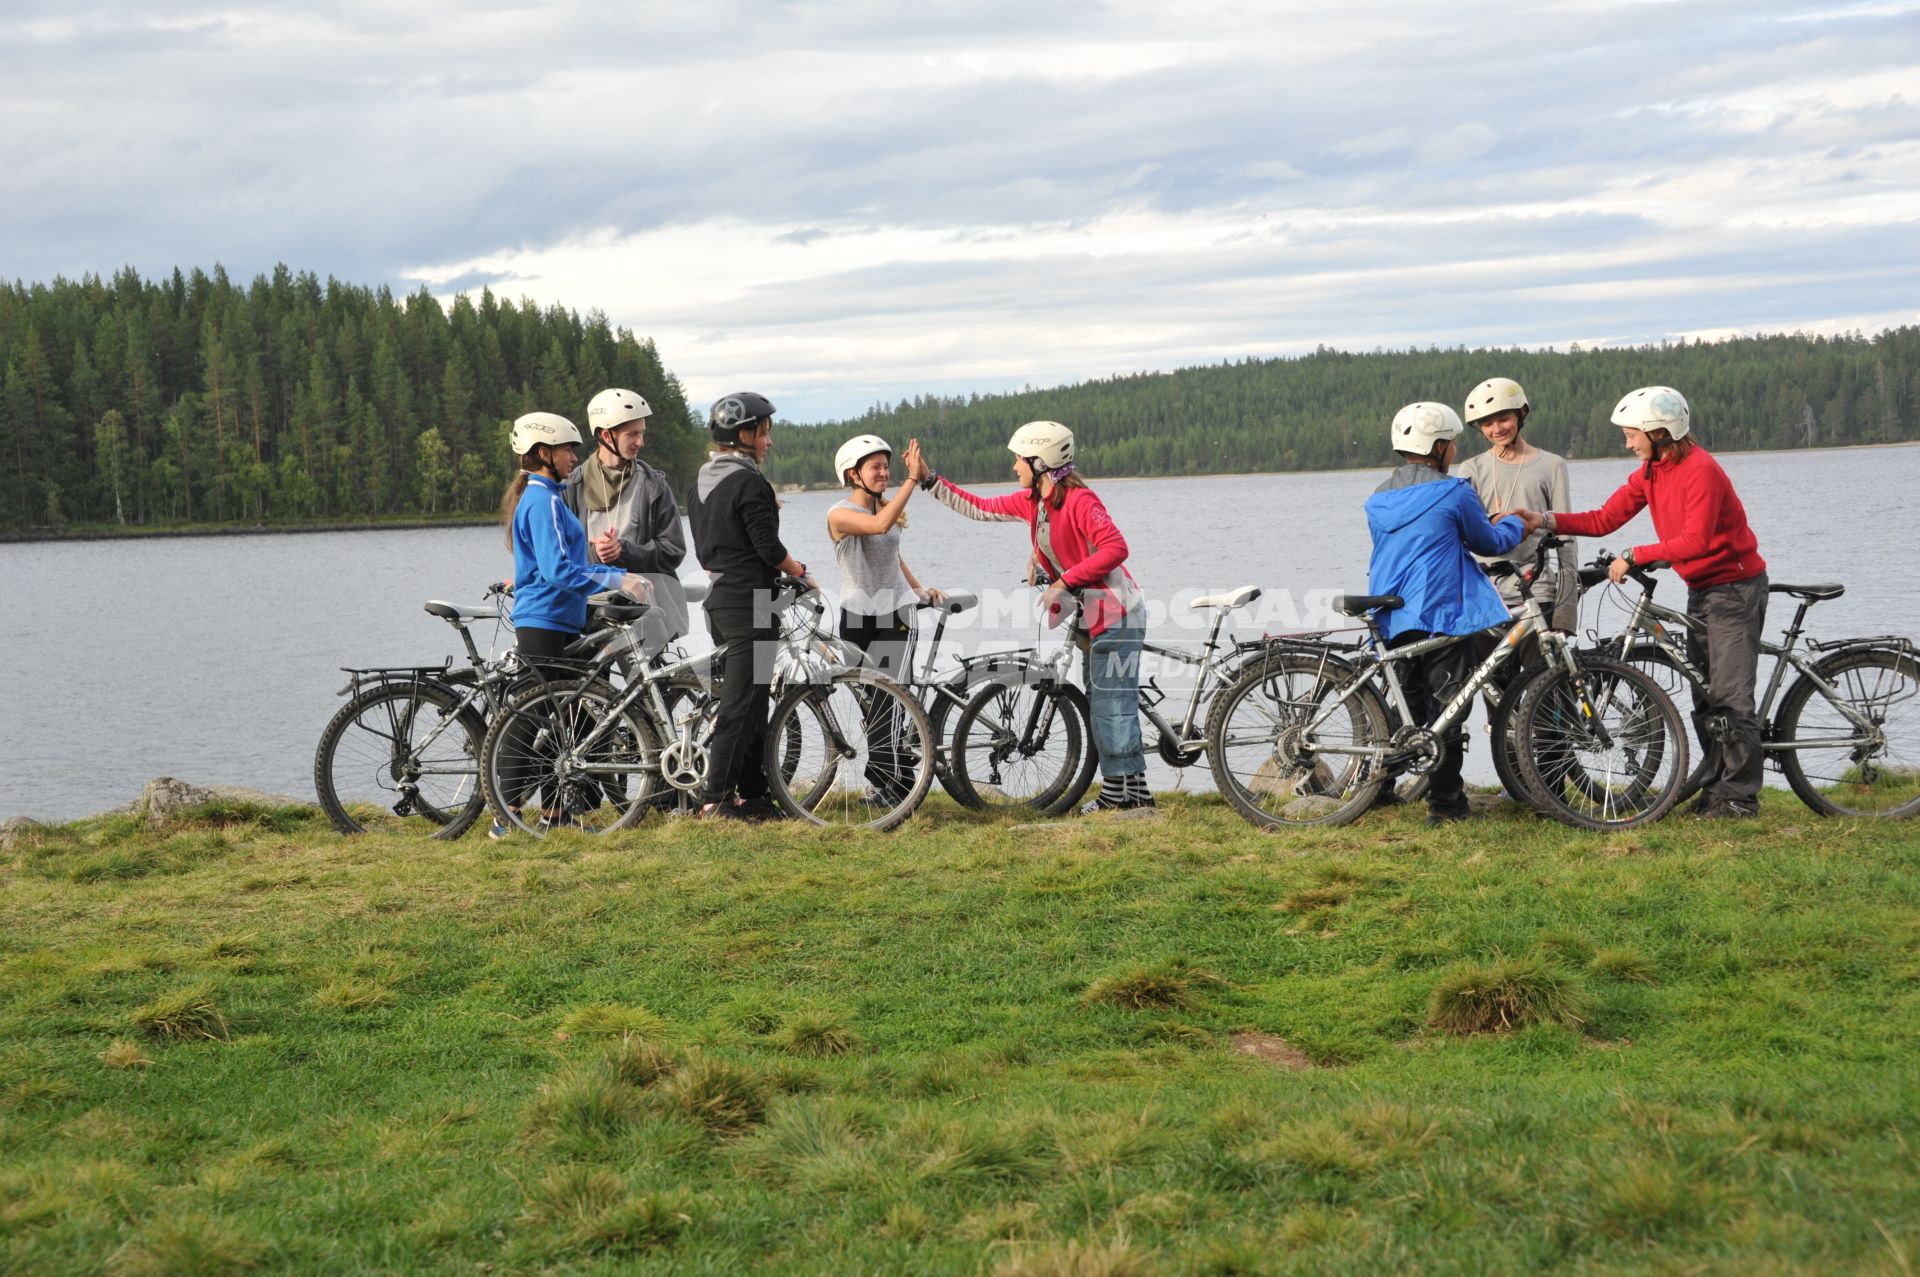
457	612
956	602
1233	598
1809	592
1361	604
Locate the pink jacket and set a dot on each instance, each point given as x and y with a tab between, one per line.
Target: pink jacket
1082	536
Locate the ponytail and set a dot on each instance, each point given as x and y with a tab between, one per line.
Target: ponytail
510	500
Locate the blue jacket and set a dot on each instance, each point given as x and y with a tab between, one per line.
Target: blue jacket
551	576
1423	526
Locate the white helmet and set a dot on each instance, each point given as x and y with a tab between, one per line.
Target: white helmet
1496	395
1654	408
542	427
1048	442
1418	426
613	408
856	450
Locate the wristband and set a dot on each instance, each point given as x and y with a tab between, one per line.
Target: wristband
1632	563
926	484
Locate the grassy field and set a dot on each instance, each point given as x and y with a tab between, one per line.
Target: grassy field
1178	1046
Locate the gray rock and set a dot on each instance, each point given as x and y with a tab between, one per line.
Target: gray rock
14	829
165	798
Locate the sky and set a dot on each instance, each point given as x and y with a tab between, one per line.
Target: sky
844	203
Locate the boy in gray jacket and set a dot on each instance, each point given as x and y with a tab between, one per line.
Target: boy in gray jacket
631	518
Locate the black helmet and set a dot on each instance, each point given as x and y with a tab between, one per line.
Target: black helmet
736	412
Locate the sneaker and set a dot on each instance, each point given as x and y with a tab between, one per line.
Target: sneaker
500	829
1448	815
1729	811
758	809
725	809
1121	793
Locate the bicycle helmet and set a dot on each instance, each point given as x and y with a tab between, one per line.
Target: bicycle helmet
611	409
542	427
1048	445
733	413
854	453
1418	426
1655	408
1496	395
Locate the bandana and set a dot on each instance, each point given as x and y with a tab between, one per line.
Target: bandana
601	484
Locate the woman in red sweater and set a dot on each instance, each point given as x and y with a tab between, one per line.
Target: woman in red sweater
1703	532
1081	553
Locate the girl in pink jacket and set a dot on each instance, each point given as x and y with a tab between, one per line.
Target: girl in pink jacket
1079	551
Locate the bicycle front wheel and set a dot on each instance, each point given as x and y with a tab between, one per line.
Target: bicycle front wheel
1838	767
852	750
1603	748
1022	743
1287	749
566	755
400	749
1658	665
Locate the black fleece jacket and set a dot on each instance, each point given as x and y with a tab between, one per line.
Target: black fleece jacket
736	530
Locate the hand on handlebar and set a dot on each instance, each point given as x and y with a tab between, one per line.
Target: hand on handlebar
636	587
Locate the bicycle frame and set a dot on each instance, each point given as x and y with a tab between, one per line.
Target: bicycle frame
1191	738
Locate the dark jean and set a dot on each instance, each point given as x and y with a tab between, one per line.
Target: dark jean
1727	651
736	754
1430	680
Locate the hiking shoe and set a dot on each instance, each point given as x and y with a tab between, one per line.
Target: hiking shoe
1448	815
1729	811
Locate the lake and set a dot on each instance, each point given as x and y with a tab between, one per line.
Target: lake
215	659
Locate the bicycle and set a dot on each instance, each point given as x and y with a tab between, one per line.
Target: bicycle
1305	735
408	738
1846	734
597	755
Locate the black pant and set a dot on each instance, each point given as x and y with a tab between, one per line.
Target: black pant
1728	653
545	651
1430	680
736	757
887	642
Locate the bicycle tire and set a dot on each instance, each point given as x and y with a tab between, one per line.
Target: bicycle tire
1877	683
1659	665
528	753
992	764
368	756
1603	748
1263	766
889	770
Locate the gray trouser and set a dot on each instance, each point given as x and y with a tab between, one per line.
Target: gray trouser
1727	651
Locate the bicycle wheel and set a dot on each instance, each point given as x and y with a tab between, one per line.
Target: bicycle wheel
1273	736
1658	665
1604	748
1839	768
565	755
1503	740
400	749
1022	742
853	750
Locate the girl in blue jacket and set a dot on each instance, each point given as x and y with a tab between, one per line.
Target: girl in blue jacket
552	573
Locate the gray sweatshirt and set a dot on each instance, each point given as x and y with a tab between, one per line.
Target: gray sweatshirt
1538	483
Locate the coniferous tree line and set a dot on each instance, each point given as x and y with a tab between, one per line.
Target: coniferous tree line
196	399
1331	409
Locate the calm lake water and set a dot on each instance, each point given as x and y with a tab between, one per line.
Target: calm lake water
215	659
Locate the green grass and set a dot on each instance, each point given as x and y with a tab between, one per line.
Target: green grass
247	1045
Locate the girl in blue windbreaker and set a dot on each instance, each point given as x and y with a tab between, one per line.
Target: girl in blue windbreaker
552	573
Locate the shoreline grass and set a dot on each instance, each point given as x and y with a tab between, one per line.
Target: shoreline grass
1183	1046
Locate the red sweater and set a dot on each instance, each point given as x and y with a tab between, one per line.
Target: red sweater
1700	522
1082	536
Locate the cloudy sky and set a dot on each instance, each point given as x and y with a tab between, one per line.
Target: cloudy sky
837	203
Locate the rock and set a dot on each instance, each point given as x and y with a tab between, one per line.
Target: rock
14	829
164	798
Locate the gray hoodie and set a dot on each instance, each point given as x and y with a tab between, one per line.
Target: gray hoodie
647	520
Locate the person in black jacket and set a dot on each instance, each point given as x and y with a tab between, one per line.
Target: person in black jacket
736	535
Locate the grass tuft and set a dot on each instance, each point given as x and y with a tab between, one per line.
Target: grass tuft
817	1033
1318	1147
572	1193
640	1061
1508	993
582	1105
640	1221
613	1020
189	1245
1076	1258
122	1054
1312	1226
1642	1198
1165	987
185	1015
352	994
1622	964
722	1097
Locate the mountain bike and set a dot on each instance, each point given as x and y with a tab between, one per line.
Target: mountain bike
1306	735
844	744
1846	733
407	742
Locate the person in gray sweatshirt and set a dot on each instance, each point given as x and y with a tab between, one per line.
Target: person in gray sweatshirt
628	510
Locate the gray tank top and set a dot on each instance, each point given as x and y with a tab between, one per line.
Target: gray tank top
871	583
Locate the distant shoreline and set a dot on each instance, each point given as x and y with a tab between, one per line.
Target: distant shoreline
474	521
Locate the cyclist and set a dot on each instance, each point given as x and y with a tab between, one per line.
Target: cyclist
1426	529
1512	474
629	512
552	576
735	520
1702	530
1079	551
878	593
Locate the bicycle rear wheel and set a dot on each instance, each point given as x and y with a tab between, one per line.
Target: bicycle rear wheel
1022	742
565	755
400	749
1270	737
1603	748
1855	772
852	750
